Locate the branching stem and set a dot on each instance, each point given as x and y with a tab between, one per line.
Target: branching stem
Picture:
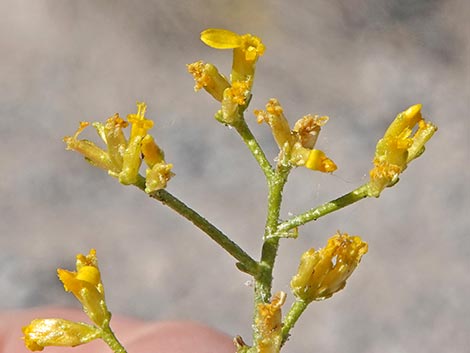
322	210
246	262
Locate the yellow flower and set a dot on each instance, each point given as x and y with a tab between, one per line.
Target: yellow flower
85	284
208	77
398	147
41	333
157	177
298	143
275	118
115	139
324	272
131	159
140	124
268	324
122	158
246	51
308	128
92	153
234	102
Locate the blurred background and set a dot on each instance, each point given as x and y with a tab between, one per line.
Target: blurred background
358	61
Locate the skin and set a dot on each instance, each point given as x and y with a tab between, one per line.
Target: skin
136	335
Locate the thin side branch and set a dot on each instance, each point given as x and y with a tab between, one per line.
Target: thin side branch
322	210
246	262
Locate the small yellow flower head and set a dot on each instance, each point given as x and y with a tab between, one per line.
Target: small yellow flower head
308	128
275	118
233	103
238	92
398	147
123	157
41	333
92	153
132	160
208	77
158	176
115	139
268	324
299	143
158	172
85	284
140	124
324	272
246	51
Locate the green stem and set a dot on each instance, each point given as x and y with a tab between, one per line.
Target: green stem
263	282
110	339
246	263
322	210
247	137
291	318
271	244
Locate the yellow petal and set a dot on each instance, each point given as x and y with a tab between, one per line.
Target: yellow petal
317	160
89	274
151	152
221	38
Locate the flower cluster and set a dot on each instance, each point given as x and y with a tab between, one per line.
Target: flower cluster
298	144
324	272
85	283
123	157
321	272
234	94
398	147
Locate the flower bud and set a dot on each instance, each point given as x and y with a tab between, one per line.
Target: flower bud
41	333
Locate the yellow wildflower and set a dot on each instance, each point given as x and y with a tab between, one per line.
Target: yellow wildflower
298	143
246	51
308	128
41	333
123	157
157	177
234	101
268	324
324	272
238	92
275	118
208	77
398	147
92	153
85	284
132	155
115	139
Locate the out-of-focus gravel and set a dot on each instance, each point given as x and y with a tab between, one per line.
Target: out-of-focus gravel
358	61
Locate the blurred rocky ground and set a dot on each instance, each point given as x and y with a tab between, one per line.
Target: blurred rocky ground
358	61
